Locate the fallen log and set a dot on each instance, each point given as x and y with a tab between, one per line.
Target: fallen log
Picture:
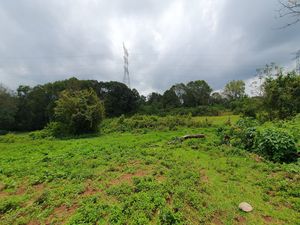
185	137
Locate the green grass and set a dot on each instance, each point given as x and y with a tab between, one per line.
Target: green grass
144	177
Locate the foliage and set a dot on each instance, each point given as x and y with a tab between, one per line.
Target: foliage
276	145
55	129
198	93
241	134
118	98
79	111
275	141
248	106
194	111
8	138
282	95
35	105
194	93
8	108
9	205
145	123
142	178
234	89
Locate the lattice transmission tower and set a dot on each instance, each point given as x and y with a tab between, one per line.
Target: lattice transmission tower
126	78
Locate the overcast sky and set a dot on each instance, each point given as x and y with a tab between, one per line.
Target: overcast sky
169	41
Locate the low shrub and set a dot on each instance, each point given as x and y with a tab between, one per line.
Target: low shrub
167	217
56	129
276	145
39	134
8	205
8	138
272	140
52	130
240	135
140	122
244	133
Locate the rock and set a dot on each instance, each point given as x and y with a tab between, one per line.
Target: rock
246	207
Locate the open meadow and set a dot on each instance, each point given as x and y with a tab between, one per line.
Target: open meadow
150	112
146	176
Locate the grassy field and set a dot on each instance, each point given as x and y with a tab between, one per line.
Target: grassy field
142	177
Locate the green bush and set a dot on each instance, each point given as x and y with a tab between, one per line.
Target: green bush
276	145
245	132
56	129
40	134
240	135
246	122
247	137
8	205
168	217
79	112
8	138
142	122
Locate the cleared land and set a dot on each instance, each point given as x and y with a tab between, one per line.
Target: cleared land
143	177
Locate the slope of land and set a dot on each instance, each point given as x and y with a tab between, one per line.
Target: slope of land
143	177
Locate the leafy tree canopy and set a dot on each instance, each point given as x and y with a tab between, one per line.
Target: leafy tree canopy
8	108
234	89
79	111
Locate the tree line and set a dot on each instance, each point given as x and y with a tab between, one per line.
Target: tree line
32	108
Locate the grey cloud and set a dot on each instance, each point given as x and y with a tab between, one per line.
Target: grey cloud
169	41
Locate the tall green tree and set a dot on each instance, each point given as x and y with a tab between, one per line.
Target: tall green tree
216	98
118	98
8	109
180	91
199	92
155	99
234	90
170	99
282	95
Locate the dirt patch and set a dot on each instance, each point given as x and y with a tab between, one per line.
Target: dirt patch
203	176
37	191
216	218
257	158
130	162
21	190
271	193
169	199
61	213
39	187
4	194
2	186
160	178
240	220
270	220
127	178
90	190
217	221
34	222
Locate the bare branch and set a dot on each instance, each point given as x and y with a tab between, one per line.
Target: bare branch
289	9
